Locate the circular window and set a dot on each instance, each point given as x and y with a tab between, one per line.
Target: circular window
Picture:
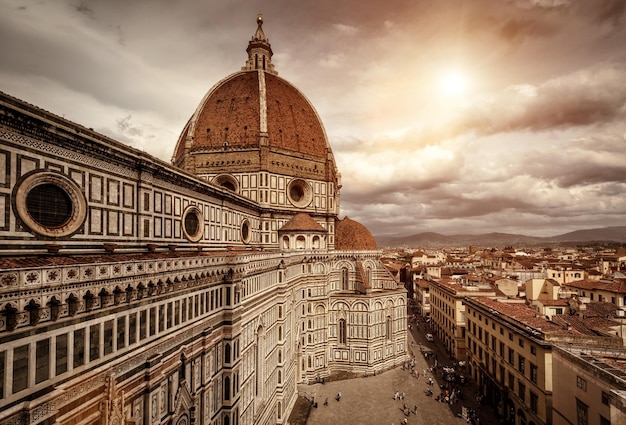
227	181
50	204
193	223
245	231
299	193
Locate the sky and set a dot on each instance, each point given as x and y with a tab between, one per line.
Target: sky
448	116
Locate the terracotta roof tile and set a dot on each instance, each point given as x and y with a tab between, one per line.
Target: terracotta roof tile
352	235
303	222
67	260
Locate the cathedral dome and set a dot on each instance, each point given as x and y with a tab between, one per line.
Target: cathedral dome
261	121
351	235
248	104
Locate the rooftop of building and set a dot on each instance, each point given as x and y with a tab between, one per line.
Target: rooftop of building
461	289
304	223
61	260
616	284
527	316
608	361
352	235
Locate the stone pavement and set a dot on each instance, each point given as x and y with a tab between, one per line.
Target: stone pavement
371	400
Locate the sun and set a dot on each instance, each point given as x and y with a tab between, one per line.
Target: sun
453	83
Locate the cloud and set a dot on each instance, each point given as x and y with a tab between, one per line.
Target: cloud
84	9
587	97
611	11
346	29
536	144
516	30
547	4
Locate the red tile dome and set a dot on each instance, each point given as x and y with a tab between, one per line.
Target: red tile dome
259	120
302	222
351	235
249	106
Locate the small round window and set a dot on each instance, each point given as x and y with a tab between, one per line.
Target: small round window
299	193
245	231
50	204
193	223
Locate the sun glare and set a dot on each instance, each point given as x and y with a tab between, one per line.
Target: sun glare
453	83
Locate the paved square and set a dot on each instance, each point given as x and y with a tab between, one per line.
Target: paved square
371	400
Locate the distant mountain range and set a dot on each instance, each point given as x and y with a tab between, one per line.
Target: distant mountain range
431	239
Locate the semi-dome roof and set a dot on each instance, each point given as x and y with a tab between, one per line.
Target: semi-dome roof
250	110
351	235
302	222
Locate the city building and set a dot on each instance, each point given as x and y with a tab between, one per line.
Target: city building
134	291
422	298
510	356
447	312
608	289
565	274
591	385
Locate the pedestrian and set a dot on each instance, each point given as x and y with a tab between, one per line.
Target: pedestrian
326	402
415	409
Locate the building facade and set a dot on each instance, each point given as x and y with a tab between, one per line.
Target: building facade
447	312
138	292
591	384
510	356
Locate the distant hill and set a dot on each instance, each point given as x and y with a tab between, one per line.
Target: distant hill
431	239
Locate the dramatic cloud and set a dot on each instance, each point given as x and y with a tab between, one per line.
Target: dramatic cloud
529	135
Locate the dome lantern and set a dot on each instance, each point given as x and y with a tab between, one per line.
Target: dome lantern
259	51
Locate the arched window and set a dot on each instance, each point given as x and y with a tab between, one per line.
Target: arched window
285	242
280	356
342	331
227	353
300	242
280	410
280	333
389	328
344	279
227	388
259	359
280	377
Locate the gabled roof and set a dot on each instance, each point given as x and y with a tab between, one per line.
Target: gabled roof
599	309
617	285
